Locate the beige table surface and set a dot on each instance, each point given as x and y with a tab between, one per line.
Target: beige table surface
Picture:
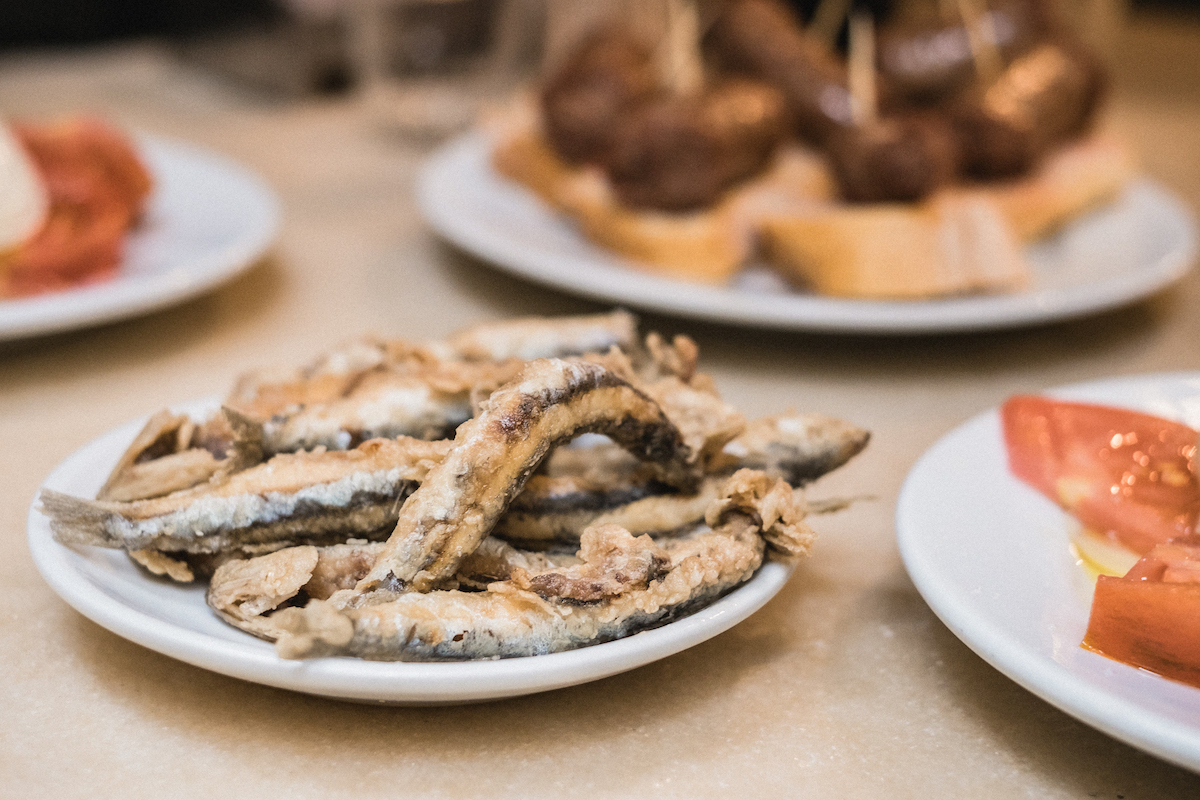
845	685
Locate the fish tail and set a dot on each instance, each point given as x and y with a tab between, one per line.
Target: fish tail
77	521
247	447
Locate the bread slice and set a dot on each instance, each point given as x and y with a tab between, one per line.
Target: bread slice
956	242
1077	178
709	245
963	239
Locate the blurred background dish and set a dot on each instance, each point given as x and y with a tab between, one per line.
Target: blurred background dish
1116	255
207	220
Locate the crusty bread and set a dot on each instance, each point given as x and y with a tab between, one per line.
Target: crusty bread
963	239
955	242
1075	179
708	245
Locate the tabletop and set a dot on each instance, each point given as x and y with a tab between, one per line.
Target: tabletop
845	685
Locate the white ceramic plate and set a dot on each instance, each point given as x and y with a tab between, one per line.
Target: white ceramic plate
208	219
1129	250
105	586
990	555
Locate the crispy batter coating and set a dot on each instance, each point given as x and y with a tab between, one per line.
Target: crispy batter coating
664	512
496	452
292	498
624	584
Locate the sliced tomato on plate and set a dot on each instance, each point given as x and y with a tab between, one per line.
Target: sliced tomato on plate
98	188
1149	617
1128	475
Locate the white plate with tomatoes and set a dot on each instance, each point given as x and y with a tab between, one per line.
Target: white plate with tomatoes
207	220
993	558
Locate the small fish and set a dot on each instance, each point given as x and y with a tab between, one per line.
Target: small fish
292	498
467	362
798	448
495	453
243	592
172	452
557	510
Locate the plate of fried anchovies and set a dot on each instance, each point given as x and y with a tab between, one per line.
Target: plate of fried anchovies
523	506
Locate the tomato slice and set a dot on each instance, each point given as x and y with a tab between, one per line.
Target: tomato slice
1128	475
1148	618
97	189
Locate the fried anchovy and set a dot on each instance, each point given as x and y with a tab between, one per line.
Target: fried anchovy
543	337
556	510
172	453
418	394
244	591
623	584
336	375
298	497
797	447
602	483
386	389
690	399
593	485
496	452
383	406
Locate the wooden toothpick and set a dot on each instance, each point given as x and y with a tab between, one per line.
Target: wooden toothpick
862	69
827	20
682	66
981	35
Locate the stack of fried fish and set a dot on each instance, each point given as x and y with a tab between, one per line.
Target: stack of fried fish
519	488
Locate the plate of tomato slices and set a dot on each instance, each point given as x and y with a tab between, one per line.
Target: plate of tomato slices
1004	523
206	220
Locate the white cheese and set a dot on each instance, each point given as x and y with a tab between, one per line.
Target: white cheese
23	198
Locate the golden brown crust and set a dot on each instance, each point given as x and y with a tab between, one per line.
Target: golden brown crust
495	453
1076	179
963	239
954	243
702	245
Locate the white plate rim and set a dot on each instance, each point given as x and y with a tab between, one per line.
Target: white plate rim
127	296
461	169
398	683
1112	697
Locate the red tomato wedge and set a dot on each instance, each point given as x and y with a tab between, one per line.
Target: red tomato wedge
1128	475
1149	617
98	188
